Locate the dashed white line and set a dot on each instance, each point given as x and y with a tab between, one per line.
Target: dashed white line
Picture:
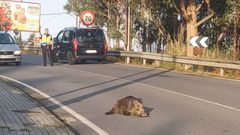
69	110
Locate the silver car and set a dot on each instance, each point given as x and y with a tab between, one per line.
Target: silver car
9	50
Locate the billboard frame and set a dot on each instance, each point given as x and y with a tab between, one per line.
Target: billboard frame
39	22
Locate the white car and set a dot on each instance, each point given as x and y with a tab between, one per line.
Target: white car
9	50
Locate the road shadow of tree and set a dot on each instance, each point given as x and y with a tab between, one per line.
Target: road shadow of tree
101	91
122	78
98	84
112	88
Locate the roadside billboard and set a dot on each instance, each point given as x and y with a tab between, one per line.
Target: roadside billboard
23	16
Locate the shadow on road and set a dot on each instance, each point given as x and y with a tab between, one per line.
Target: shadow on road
137	80
81	98
101	91
98	84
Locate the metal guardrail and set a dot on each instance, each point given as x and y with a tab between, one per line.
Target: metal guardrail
235	65
176	59
31	49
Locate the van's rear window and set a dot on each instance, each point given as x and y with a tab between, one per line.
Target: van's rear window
90	35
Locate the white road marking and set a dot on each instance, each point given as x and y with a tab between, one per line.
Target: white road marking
69	110
168	91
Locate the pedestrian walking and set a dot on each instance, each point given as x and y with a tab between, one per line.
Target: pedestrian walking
46	45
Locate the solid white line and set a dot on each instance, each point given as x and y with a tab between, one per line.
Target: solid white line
69	110
168	91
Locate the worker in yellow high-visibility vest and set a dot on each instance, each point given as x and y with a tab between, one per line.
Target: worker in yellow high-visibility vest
46	44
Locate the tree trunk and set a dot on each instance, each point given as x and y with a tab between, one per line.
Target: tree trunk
117	38
159	44
238	43
218	44
235	43
109	28
191	27
143	36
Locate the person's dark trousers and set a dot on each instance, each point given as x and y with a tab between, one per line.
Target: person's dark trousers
50	54
46	53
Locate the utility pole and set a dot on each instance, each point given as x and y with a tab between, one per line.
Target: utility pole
109	28
118	26
128	27
76	20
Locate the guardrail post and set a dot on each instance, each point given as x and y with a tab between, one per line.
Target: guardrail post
157	63
144	62
128	60
186	67
221	72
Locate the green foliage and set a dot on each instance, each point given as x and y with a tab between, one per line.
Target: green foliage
177	46
77	6
157	21
31	37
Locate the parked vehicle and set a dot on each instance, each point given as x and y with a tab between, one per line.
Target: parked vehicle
9	50
80	44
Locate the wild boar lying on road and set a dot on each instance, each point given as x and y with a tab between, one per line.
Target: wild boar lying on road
128	106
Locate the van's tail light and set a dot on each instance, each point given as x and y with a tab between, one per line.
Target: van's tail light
75	44
105	46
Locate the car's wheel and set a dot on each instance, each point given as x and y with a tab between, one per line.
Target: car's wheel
18	63
70	58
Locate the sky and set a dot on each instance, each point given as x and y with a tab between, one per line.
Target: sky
54	23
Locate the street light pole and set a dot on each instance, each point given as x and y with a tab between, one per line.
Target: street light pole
129	27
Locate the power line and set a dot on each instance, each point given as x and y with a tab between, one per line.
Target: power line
51	19
48	14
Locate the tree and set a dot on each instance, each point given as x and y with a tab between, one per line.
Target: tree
163	21
31	37
224	29
107	12
190	10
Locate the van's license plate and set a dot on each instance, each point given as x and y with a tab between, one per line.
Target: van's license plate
91	51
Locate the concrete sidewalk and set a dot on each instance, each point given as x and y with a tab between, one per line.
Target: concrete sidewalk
21	115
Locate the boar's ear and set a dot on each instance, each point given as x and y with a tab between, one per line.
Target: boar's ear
140	100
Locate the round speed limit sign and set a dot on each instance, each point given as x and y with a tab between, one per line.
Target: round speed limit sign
87	17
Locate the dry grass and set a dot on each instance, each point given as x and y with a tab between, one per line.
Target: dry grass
176	46
214	55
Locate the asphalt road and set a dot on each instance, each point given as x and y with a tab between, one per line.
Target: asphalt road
179	104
